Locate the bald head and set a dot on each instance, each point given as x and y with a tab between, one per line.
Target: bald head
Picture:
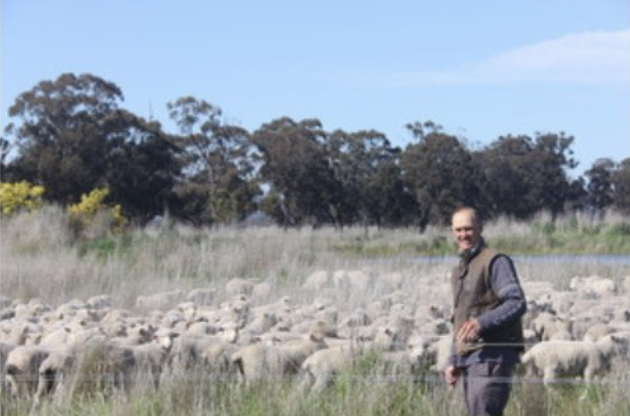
466	228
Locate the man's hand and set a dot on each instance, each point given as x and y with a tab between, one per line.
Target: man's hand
469	331
451	375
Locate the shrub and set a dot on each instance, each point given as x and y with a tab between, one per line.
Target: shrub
20	196
91	212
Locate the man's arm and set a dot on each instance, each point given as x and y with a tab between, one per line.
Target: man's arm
506	286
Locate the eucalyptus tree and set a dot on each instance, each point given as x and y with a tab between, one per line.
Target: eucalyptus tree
440	173
621	186
297	172
367	168
58	134
71	136
142	167
526	175
218	183
600	186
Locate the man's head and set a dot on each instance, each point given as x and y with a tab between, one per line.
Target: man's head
466	228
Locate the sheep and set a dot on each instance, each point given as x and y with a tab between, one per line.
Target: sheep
163	300
100	302
136	335
593	287
353	280
185	350
598	331
261	360
439	352
320	369
239	286
85	366
409	361
5	349
22	369
261	291
54	370
217	359
548	326
537	288
201	296
316	281
261	323
16	334
7	313
584	359
322	366
148	360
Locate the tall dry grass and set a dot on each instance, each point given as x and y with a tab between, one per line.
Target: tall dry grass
40	256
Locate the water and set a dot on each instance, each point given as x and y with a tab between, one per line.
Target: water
607	259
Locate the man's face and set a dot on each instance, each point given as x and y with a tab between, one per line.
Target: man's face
466	231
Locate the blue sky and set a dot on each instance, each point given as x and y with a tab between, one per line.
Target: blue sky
481	69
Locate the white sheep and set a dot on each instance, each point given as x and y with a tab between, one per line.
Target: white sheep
316	281
320	369
202	296
259	361
239	286
186	350
163	300
22	368
597	332
86	366
409	361
100	302
549	326
5	349
149	360
593	287
217	359
439	352
554	359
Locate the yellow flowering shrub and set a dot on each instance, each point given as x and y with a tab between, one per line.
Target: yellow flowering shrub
20	195
86	212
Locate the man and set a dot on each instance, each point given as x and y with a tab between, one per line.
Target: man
488	303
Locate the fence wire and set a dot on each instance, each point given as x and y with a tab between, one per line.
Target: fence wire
197	376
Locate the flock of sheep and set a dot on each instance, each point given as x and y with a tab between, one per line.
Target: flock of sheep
246	332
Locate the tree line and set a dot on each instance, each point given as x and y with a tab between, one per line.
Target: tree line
71	136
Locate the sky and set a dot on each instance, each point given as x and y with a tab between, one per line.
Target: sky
480	69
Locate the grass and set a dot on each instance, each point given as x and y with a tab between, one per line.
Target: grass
40	258
353	394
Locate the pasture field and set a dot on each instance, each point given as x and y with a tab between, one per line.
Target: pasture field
40	258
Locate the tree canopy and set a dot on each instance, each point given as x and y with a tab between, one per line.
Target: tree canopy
72	135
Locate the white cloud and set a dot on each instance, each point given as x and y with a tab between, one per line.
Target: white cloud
583	58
